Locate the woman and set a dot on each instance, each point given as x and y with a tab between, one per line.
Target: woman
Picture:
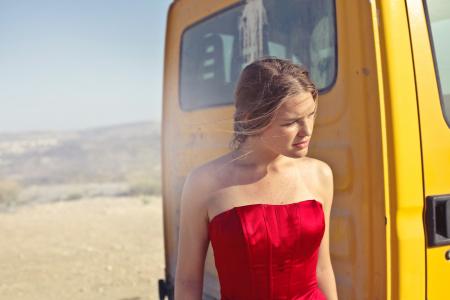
264	206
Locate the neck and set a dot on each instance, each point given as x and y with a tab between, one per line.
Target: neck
252	153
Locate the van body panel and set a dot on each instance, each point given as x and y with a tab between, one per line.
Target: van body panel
402	155
347	136
367	130
435	143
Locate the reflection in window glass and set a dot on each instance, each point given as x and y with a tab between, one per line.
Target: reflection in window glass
215	50
439	20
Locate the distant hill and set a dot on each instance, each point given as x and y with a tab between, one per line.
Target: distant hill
127	153
100	154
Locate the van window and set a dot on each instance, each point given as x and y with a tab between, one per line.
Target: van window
439	28
216	49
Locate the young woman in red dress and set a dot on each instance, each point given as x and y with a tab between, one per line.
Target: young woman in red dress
265	205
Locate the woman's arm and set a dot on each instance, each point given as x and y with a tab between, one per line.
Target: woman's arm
325	274
192	239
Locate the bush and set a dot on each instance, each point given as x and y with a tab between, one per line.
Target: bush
74	196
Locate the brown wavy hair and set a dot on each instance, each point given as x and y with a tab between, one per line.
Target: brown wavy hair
262	88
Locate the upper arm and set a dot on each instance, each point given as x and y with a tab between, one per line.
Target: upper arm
193	233
325	180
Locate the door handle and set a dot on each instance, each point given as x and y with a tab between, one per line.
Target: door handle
438	220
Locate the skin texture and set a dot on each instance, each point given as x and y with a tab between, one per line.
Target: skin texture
266	169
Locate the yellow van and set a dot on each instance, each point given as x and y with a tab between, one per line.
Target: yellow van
383	69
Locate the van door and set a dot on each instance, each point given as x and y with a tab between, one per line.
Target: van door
429	27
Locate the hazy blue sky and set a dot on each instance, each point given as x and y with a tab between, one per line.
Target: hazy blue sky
79	64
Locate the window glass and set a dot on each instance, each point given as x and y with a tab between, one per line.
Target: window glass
439	22
215	50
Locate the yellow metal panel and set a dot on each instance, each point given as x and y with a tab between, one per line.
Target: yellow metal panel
402	155
359	205
435	142
348	136
377	47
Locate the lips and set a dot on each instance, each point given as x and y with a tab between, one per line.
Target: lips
301	142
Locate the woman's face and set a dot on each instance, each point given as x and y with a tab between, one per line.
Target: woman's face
293	123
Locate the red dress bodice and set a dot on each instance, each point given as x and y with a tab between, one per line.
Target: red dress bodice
268	251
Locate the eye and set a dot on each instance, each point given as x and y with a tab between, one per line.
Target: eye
289	124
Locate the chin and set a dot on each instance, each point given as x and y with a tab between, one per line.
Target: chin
297	153
300	152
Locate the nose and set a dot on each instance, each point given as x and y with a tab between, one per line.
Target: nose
305	129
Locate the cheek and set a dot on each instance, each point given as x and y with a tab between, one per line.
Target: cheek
280	134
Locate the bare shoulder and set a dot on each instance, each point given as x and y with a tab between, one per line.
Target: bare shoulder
206	174
200	183
321	179
198	180
323	169
193	226
316	166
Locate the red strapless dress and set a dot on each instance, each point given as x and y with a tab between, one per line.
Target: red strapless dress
268	251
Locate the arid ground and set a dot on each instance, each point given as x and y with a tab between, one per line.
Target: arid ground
98	248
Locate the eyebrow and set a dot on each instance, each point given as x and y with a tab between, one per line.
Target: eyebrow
296	118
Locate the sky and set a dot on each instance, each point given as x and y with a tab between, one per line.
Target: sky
79	64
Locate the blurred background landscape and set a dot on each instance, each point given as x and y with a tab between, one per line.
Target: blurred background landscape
81	213
52	166
80	172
